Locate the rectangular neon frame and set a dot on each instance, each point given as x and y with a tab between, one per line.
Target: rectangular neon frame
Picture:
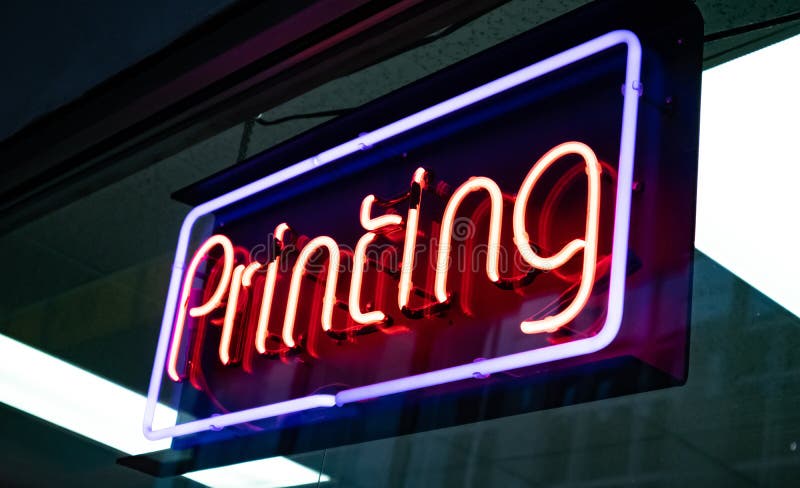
542	355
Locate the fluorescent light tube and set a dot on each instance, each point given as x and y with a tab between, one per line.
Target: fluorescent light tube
75	399
265	473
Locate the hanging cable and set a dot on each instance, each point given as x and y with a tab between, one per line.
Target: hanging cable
716	36
309	115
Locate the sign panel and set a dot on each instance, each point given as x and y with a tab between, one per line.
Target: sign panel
512	230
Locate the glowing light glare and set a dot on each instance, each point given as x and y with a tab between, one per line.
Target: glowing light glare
75	399
328	299
554	352
230	315
273	472
359	261
410	244
445	236
212	303
370	223
419	177
228	256
588	244
407	266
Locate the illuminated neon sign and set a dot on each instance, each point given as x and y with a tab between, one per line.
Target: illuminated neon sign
294	294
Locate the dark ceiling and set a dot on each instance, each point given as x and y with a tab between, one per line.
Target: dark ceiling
62	49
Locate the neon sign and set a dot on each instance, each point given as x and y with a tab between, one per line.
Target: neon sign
351	294
233	280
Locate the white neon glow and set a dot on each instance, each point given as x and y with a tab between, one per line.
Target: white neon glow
748	203
495	222
212	303
370	223
328	299
75	399
616	294
521	237
354	304
264	473
410	244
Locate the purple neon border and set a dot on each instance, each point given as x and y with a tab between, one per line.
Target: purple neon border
455	373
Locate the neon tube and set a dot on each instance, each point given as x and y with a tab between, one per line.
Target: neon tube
249	271
445	234
211	304
269	292
588	244
230	315
328	300
354	305
410	244
376	223
359	261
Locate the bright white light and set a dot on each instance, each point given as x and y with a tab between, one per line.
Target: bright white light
74	399
77	400
264	473
748	202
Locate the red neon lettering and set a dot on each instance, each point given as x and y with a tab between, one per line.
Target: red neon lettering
328	299
233	280
495	221
269	290
588	244
412	226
